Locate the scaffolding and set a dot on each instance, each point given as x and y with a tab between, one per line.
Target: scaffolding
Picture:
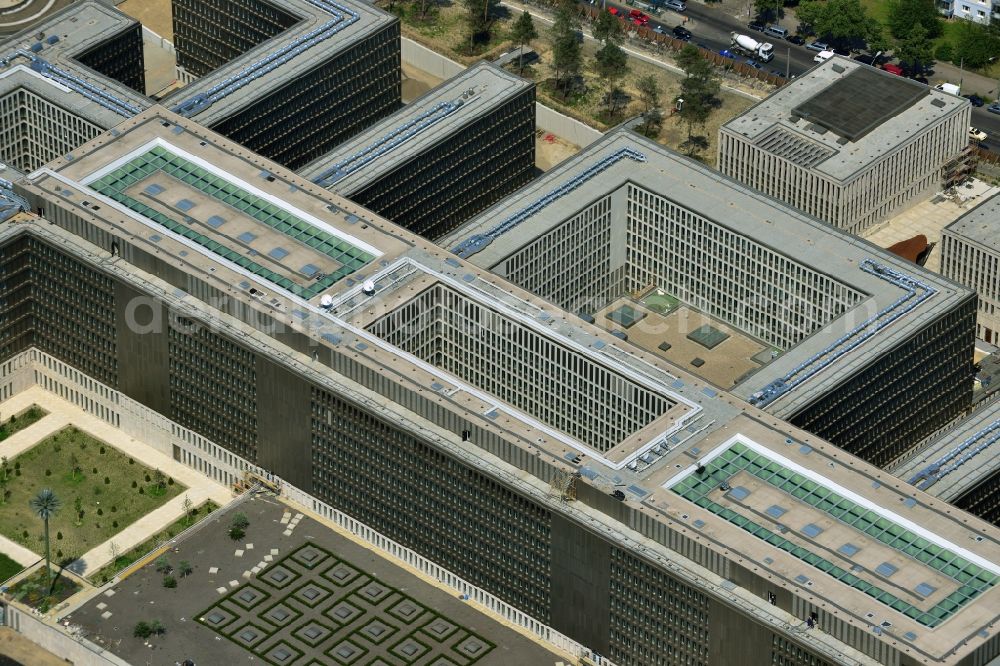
474	244
916	293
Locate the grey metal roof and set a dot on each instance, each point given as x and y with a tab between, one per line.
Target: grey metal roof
980	225
424	123
622	157
875	111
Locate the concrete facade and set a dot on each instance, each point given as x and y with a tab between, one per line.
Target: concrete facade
444	157
626	215
849	180
970	255
184	287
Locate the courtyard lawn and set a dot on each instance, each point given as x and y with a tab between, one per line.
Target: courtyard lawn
8	567
21	421
102	491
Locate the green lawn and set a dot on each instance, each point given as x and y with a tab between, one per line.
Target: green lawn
108	572
877	9
8	567
21	421
110	489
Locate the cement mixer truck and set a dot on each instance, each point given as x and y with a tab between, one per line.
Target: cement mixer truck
747	45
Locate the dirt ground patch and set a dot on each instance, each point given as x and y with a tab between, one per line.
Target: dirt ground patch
550	150
154	14
16	647
416	82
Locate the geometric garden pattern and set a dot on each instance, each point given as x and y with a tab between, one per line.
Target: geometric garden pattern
313	609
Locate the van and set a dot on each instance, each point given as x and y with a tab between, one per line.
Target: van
823	56
776	31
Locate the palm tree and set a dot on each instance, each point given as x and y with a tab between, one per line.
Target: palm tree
45	505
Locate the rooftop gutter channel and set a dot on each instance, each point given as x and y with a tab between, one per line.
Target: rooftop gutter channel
477	242
272	61
388	142
88	90
855	337
939	468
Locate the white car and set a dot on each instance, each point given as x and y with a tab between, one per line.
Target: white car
976	134
823	56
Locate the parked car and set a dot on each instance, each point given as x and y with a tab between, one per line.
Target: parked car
975	100
823	56
994	107
865	59
752	63
795	39
753	25
638	17
614	11
660	30
818	46
726	53
893	69
776	31
676	5
680	32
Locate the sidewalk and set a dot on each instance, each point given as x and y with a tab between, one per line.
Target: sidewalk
971	82
61	413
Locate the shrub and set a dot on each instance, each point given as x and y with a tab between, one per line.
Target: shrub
17	464
163	565
131	461
95	470
235	533
157	627
102	450
58	536
24	534
169	582
114	523
142	630
114	509
170	481
135	484
943	52
97	490
100	511
57	447
107	480
59	553
48	472
184	568
148	479
241	521
141	491
17	471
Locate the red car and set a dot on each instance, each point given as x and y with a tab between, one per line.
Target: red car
638	17
893	69
614	11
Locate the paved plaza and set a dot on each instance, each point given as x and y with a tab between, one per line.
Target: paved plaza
295	593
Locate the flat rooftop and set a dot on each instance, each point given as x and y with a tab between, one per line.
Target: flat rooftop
48	68
955	462
427	121
981	225
622	158
325	28
691	423
842	116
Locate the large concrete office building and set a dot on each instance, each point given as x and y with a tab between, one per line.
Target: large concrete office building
970	255
962	465
859	347
292	95
65	82
606	493
443	158
847	143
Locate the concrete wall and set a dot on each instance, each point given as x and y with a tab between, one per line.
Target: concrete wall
74	650
547	119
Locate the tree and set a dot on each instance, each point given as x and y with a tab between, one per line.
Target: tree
480	17
608	29
163	565
904	14
184	569
699	90
159	480
142	630
649	92
566	54
156	628
45	505
78	508
4	479
916	51
975	44
241	521
187	505
522	33
115	552
612	65
236	533
843	22
769	9
76	469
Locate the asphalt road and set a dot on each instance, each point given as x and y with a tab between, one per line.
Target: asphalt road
711	29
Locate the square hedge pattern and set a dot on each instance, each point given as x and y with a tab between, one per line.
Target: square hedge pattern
336	614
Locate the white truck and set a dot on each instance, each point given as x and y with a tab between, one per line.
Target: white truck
747	45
